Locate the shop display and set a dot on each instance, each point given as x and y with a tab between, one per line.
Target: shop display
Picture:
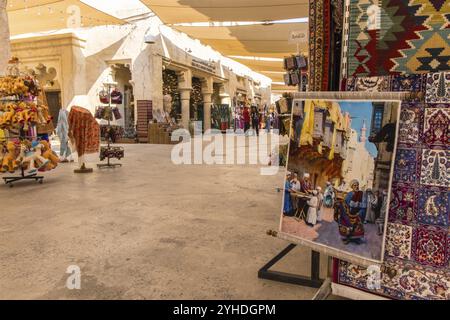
170	89
160	131
107	113
325	29
114	133
296	67
116	97
111	152
196	102
416	249
411	39
108	152
20	115
84	133
221	117
337	195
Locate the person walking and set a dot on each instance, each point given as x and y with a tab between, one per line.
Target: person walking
246	115
62	131
268	122
255	120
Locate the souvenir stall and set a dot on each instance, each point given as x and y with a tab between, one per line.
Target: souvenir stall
221	114
296	67
196	104
160	130
283	113
239	103
416	264
415	258
171	94
84	134
415	68
22	151
221	117
110	97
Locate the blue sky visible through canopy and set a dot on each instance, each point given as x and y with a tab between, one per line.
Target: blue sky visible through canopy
360	111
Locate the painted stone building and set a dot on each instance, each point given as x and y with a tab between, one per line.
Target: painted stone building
73	64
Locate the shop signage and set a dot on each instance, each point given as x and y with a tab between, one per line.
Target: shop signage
204	65
298	37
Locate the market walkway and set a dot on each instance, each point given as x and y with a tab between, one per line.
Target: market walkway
149	230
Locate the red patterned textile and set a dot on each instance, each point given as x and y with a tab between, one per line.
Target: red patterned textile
84	131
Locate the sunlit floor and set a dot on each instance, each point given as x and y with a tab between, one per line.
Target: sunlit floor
148	230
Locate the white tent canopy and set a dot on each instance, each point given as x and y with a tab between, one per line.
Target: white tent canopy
32	16
180	11
249	41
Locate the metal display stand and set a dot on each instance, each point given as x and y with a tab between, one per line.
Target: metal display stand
108	164
313	281
10	180
33	176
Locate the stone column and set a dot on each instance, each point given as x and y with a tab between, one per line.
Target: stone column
207	90
185	88
207	105
185	94
5	45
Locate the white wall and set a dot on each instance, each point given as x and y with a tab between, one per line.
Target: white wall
84	65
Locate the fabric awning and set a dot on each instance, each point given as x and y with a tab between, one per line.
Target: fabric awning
255	40
44	15
258	40
180	11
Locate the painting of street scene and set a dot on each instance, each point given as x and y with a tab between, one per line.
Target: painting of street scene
336	191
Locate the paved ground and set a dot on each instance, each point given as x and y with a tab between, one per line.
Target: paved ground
149	230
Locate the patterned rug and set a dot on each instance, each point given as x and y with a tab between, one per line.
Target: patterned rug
320	46
417	255
398	37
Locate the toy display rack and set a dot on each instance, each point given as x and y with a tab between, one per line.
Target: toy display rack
108	164
10	180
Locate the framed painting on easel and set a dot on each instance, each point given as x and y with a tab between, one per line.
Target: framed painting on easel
339	175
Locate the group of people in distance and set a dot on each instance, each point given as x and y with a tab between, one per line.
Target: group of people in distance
352	209
251	118
312	207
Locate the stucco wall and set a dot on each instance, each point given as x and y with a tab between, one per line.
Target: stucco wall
85	58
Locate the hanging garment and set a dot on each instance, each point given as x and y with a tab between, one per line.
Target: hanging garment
116	113
104	96
287	79
295	78
99	112
116	97
301	62
84	131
